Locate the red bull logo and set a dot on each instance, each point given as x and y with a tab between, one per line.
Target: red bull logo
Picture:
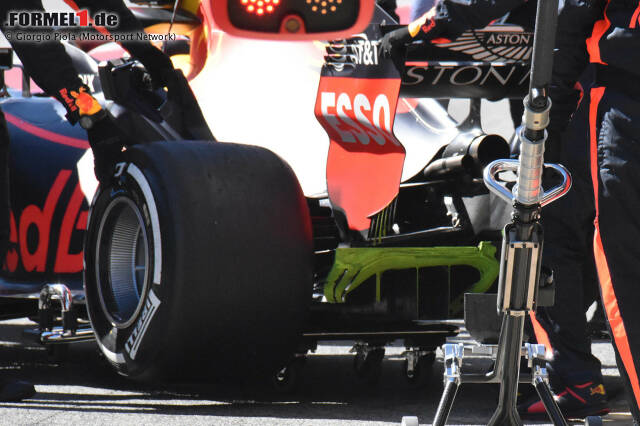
86	104
42	221
80	101
598	390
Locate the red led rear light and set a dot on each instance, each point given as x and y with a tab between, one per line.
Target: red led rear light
323	6
260	7
292	19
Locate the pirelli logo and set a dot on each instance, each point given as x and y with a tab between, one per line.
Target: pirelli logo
148	311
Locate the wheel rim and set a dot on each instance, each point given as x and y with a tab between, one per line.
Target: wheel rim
122	262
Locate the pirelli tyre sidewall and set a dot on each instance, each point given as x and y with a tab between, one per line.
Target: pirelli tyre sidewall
120	340
223	235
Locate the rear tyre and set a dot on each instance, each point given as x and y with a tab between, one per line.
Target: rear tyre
198	259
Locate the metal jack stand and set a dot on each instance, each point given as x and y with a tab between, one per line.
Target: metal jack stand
521	248
69	332
536	355
453	355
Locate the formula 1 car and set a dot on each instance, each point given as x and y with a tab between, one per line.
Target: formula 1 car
225	258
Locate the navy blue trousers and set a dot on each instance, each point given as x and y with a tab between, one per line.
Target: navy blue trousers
598	220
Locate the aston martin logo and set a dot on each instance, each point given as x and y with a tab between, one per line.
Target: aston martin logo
505	43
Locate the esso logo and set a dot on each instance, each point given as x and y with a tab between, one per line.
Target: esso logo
357	118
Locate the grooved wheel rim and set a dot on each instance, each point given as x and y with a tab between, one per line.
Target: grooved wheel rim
122	262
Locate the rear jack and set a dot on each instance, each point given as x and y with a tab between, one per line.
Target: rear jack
521	248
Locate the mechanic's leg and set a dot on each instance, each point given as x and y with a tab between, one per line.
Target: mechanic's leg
568	226
575	372
616	148
597	324
567	253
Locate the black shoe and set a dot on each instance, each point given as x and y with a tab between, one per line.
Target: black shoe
576	402
16	390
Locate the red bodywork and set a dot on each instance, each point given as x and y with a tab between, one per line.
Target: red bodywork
365	161
363	171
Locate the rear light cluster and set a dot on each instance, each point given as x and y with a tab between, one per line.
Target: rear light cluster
323	6
291	19
260	7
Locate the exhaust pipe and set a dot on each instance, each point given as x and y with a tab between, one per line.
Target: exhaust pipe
449	165
468	154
